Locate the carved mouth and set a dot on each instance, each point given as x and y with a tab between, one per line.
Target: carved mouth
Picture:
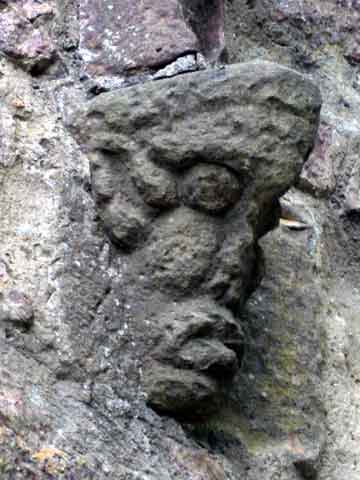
199	350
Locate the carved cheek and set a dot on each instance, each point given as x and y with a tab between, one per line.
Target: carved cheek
181	249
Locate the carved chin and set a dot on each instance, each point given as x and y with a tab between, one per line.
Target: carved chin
187	173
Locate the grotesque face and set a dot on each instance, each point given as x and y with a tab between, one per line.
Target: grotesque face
186	173
180	227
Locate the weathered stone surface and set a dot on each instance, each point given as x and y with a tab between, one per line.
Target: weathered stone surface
24	33
182	393
349	178
207	21
187	321
7	137
37	227
210	153
76	374
200	464
157	186
16	308
237	133
125	36
202	341
303	33
352	52
102	177
317	38
208	356
186	64
125	223
352	196
119	39
180	250
281	374
210	188
318	175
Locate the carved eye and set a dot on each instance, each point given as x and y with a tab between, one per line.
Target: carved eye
212	188
155	184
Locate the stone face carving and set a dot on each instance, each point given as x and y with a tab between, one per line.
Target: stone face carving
186	173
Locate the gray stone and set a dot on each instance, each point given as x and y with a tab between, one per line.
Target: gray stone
215	149
240	132
184	394
180	250
156	185
186	64
210	188
207	21
191	319
125	223
208	356
237	263
7	137
317	38
349	177
196	337
16	308
287	394
103	181
70	391
352	52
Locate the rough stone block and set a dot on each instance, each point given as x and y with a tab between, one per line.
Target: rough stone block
124	36
187	172
25	35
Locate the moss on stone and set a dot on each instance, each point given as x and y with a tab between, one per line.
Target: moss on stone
234	425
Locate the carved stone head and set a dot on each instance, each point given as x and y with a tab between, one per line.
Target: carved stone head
186	173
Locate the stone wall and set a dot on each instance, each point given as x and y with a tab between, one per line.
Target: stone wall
152	326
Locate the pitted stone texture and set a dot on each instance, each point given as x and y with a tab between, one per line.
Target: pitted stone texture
189	320
156	185
103	177
180	250
207	20
211	188
318	176
16	308
7	137
125	223
186	173
257	118
185	394
236	264
208	356
202	345
117	37
25	33
352	53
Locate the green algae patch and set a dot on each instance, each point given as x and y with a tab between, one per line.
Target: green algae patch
233	425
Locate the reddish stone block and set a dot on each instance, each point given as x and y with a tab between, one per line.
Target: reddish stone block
318	175
126	36
24	35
